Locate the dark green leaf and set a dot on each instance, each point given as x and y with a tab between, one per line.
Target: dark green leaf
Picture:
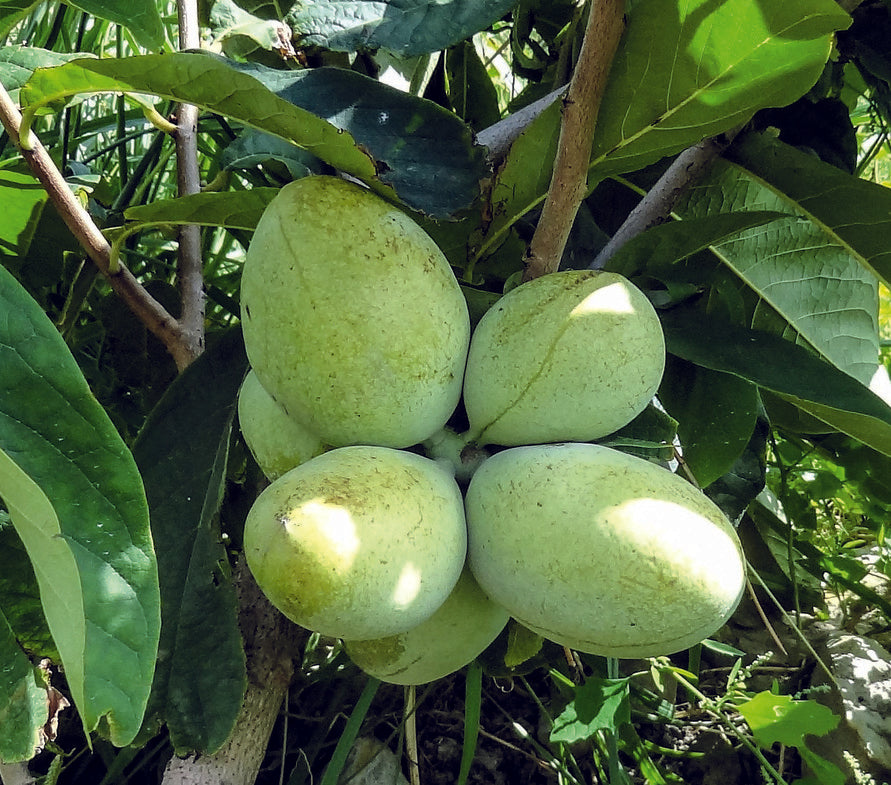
76	499
20	596
734	490
182	453
23	701
715	413
472	94
253	148
413	141
209	82
783	368
406	27
599	704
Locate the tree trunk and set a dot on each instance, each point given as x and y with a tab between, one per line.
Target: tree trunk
271	644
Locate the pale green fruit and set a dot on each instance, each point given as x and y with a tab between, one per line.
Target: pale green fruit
602	551
571	356
465	624
353	319
277	442
360	542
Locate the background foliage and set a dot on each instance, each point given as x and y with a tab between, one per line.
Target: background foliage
125	483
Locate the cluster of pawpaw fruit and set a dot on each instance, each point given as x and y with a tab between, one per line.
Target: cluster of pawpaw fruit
361	350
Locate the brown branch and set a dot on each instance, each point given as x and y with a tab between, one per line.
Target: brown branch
581	105
499	136
659	202
148	310
188	178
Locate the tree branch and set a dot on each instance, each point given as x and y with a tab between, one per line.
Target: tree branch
580	108
188	178
148	310
656	206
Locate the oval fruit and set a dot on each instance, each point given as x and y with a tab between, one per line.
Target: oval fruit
570	356
353	319
465	624
277	442
601	551
360	542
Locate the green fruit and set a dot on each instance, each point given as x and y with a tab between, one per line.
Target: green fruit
602	551
352	317
277	442
571	356
465	624
359	542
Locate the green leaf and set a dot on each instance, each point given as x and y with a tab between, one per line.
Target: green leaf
413	141
388	139
232	209
23	199
472	94
20	596
780	718
815	287
76	499
253	148
784	368
17	63
857	213
208	82
182	453
657	250
13	11
691	70
522	645
473	698
599	704
683	72
23	701
406	27
716	416
141	17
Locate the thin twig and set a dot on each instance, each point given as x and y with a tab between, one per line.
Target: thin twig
148	310
411	736
188	177
581	105
656	207
499	137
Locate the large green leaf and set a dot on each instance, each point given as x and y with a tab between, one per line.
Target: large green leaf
716	416
855	212
414	142
685	71
209	82
76	499
23	701
811	281
182	453
778	365
392	141
406	27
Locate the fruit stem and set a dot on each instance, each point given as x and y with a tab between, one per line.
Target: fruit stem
457	453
